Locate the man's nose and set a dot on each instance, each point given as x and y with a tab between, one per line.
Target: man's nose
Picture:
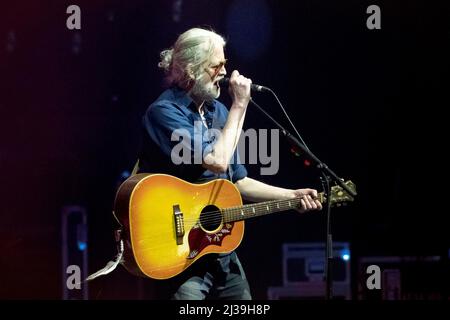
223	71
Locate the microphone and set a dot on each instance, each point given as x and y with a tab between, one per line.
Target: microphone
224	82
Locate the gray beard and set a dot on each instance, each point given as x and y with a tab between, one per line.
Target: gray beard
202	93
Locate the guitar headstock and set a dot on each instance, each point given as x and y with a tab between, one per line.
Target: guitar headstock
339	196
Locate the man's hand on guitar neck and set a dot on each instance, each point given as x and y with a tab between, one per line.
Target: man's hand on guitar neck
308	200
256	191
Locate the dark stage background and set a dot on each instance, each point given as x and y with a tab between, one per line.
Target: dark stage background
369	103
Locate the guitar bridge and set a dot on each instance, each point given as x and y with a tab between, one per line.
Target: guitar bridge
179	224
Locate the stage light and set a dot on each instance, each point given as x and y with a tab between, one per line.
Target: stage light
345	255
82	245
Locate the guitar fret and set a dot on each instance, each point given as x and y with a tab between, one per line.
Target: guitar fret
259	209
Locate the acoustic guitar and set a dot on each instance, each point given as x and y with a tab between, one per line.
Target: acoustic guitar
168	223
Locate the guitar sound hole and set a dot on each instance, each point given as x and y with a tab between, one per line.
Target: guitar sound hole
210	218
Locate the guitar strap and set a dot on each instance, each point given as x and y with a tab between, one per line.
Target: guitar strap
135	169
112	265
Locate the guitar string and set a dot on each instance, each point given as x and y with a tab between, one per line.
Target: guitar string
189	223
259	208
237	211
215	216
218	215
192	223
187	226
168	245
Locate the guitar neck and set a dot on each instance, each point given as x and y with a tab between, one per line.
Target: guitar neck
262	208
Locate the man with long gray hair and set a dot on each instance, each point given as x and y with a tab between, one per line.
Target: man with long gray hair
194	65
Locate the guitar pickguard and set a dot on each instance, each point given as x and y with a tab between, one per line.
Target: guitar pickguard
199	239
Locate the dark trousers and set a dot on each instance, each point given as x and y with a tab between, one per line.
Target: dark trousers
213	277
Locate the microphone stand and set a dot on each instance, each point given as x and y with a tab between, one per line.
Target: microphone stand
327	176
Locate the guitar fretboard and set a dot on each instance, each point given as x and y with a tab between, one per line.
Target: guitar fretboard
258	209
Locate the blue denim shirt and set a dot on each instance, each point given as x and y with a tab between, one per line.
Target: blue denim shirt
171	124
